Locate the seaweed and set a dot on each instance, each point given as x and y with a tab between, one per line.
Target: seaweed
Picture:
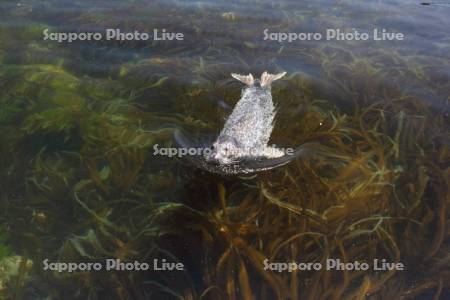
4	248
79	181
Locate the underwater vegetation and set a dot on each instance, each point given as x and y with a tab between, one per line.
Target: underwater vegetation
79	181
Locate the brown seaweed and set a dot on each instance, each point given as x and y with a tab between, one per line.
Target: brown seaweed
79	182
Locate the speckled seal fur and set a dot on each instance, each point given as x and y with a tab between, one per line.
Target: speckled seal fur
247	130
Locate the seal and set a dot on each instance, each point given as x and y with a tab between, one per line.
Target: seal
242	145
247	130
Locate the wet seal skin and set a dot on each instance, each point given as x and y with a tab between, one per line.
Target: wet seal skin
247	130
242	145
245	166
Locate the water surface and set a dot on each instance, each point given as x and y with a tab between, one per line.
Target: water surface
79	121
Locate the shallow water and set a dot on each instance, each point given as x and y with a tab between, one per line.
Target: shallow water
80	181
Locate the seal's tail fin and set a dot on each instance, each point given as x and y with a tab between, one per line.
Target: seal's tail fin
247	79
267	79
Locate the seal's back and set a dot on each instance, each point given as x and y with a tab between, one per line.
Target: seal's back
251	122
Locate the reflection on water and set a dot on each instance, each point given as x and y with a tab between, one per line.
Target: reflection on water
79	121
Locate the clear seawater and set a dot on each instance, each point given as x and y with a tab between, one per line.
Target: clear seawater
80	181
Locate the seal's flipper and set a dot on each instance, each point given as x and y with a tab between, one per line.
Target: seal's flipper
267	79
247	79
245	166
